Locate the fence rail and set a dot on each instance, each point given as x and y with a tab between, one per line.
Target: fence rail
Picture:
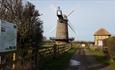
27	59
53	51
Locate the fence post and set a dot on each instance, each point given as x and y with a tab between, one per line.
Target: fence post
55	51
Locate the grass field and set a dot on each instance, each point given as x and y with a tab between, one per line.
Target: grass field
60	63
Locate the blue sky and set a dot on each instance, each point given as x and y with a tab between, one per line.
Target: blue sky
87	18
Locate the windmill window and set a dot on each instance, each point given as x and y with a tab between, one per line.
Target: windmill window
2	29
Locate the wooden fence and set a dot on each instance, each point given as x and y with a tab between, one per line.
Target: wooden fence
28	59
54	51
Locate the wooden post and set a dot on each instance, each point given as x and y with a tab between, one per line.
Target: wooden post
55	51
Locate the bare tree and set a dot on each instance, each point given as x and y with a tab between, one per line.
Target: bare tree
29	25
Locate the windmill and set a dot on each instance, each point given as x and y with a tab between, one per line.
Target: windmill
62	36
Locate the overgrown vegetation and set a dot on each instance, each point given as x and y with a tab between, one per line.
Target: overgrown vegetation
110	47
29	33
60	63
26	17
103	58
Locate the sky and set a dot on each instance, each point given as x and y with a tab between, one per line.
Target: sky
87	18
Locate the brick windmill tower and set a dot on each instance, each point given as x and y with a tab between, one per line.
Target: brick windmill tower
62	36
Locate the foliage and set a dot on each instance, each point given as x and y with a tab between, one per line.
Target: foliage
110	45
60	63
29	26
26	17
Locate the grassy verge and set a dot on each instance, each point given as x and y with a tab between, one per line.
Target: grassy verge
60	63
112	65
100	56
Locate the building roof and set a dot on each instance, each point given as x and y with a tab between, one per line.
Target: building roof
102	32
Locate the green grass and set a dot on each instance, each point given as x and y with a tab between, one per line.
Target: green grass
112	65
60	63
102	59
100	56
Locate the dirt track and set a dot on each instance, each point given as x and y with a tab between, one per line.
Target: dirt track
87	61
